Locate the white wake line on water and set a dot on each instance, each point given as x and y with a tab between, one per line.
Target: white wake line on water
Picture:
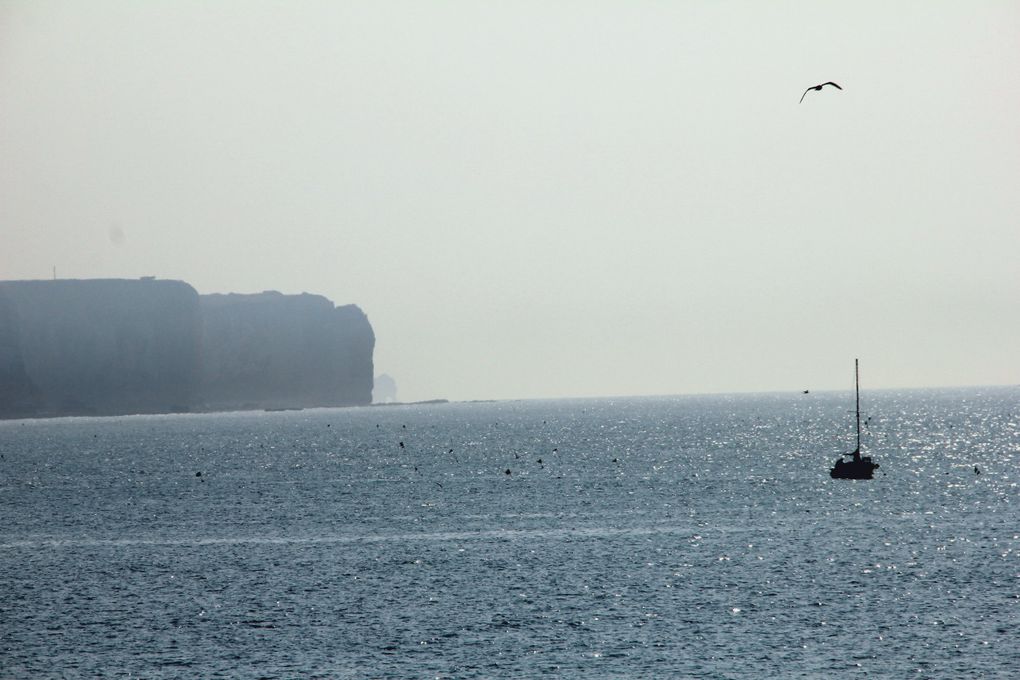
490	534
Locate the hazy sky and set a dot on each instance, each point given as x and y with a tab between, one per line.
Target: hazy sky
543	199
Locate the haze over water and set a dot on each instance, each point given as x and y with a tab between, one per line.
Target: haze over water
658	537
624	195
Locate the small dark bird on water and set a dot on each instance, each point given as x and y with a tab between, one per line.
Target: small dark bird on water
818	88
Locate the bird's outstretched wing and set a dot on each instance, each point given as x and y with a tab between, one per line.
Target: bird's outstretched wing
819	88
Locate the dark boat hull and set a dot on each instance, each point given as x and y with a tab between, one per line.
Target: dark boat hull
857	469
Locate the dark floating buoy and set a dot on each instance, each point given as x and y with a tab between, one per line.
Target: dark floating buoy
198	474
539	461
807	392
616	460
329	424
507	471
401	444
977	470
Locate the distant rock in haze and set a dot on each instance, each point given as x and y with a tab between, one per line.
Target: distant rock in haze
270	350
385	390
114	346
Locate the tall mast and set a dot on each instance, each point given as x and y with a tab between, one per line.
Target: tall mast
857	390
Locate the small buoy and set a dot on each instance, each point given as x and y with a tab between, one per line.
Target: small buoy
198	474
401	444
507	471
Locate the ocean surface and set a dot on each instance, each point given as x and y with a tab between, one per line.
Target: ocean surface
666	537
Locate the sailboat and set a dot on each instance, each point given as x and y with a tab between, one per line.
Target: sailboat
858	467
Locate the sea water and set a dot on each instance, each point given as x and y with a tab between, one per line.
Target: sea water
639	537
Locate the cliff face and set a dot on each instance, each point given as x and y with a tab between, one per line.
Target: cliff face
270	350
17	393
110	347
98	347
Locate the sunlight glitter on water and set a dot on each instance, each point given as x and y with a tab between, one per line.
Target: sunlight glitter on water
657	537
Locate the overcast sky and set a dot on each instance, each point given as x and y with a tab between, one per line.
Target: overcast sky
544	199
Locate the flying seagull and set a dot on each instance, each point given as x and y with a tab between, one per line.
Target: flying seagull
818	87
